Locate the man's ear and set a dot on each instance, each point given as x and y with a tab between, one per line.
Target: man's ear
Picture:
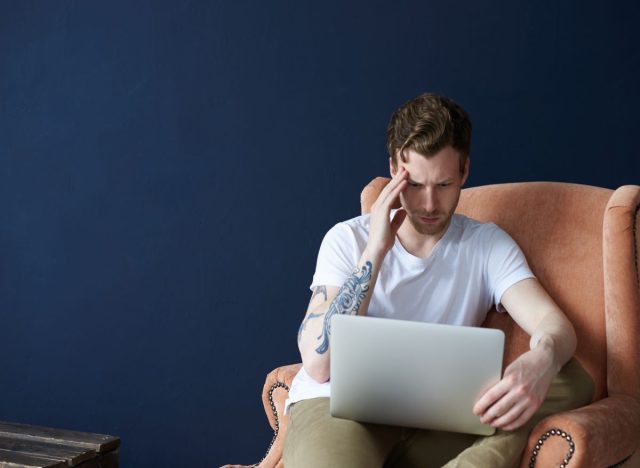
465	173
392	167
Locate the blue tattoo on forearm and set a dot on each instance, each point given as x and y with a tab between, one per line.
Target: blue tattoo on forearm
304	323
319	290
347	301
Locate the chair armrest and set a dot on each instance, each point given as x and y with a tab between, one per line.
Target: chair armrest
276	390
603	433
274	394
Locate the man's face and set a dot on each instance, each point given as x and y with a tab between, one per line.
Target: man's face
432	193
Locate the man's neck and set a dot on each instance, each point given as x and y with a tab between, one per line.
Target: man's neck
417	244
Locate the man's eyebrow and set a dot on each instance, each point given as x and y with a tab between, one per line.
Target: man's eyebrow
443	181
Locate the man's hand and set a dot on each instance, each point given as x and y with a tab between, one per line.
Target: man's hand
383	231
511	402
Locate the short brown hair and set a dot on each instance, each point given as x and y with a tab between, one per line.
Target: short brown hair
428	124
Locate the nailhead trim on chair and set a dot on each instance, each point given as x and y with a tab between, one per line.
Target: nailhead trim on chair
275	415
545	436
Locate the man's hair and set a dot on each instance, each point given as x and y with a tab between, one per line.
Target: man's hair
426	125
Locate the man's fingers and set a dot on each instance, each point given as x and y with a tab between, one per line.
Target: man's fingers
391	190
500	408
490	397
514	397
398	219
515	420
510	411
395	193
503	418
520	421
390	197
395	180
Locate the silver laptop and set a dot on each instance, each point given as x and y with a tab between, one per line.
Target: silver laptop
412	374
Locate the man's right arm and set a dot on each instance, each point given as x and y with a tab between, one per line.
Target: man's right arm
326	301
354	295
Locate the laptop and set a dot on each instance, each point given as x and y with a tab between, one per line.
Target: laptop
412	374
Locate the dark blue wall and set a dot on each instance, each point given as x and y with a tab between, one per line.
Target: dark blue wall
168	170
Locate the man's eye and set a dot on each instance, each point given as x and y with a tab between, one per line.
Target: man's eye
444	185
413	184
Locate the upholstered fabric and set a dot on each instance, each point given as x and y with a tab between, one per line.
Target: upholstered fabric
582	243
622	291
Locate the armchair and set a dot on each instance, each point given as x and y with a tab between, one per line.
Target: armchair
583	244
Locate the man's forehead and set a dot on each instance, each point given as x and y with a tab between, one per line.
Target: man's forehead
430	178
430	172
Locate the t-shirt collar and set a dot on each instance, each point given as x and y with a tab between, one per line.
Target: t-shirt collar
449	234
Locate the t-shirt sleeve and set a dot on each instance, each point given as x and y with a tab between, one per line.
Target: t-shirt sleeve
337	257
506	265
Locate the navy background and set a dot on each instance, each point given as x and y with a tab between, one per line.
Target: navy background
168	170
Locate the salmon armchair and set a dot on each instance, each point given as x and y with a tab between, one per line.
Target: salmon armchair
582	243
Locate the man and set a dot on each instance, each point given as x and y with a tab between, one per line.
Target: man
423	262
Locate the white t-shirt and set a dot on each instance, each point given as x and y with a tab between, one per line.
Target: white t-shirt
466	273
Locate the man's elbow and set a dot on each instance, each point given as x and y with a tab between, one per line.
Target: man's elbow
318	370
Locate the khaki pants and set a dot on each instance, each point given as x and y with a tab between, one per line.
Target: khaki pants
315	439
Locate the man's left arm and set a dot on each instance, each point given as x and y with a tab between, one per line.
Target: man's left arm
511	402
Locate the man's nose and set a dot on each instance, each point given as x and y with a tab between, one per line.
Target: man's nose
430	200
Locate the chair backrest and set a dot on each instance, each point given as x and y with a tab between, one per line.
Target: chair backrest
559	228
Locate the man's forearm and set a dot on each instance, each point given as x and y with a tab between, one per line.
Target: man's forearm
537	313
353	298
314	338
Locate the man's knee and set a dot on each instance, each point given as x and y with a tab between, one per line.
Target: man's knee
572	388
578	383
315	438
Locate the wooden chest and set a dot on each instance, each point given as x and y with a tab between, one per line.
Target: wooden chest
22	445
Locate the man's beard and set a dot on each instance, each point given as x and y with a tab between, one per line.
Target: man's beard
430	229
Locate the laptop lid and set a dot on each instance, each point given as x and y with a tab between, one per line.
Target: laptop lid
412	374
